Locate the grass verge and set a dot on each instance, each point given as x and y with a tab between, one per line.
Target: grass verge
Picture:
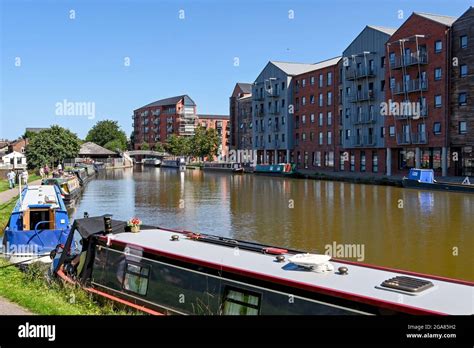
4	182
5	211
31	290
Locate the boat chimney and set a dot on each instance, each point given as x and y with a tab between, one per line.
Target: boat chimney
108	224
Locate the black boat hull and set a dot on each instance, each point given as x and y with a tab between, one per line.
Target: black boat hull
439	186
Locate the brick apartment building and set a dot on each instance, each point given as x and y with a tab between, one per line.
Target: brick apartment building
222	124
240	103
418	73
155	122
461	130
364	90
316	116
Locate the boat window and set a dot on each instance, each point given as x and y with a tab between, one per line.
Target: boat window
37	216
241	302
136	278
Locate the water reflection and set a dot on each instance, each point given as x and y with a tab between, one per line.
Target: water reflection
303	214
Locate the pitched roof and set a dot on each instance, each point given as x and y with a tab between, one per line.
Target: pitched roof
172	101
292	68
245	87
89	148
446	20
225	117
385	30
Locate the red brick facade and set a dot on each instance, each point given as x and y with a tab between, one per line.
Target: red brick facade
222	124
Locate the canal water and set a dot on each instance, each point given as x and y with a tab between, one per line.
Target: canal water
422	231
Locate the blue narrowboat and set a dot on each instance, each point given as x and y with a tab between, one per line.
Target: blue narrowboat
424	179
282	169
38	223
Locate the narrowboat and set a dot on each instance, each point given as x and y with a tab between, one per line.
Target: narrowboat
165	271
68	185
151	162
282	169
38	223
178	163
231	167
423	179
81	174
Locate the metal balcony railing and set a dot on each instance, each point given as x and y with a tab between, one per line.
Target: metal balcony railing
356	74
274	111
361	96
403	139
273	93
408	60
411	86
259	97
419	138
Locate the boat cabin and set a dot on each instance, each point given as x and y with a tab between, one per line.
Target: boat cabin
422	175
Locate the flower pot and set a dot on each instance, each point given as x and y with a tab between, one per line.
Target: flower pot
135	228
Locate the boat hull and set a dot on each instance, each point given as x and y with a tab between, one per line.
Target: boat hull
439	186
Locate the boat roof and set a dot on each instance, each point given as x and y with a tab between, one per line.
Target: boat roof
39	195
362	283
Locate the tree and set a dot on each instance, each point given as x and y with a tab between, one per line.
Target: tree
158	147
178	145
205	142
114	145
51	146
144	146
104	132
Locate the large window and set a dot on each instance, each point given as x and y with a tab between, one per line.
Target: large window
362	161
463	41
462	99
375	162
438	101
463	70
240	302
437	74
438	46
136	278
462	127
437	128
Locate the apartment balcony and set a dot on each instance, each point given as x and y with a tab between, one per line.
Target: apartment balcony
276	128
356	74
403	139
419	138
411	86
259	113
259	97
273	94
275	112
409	60
361	96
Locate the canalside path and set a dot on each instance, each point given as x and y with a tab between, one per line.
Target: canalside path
7	307
7	195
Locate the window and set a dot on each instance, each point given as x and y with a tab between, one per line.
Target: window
303	83
303	119
321	80
437	74
438	101
352	162
382	62
391	131
312	118
269	138
392	83
283	103
463	41
438	46
462	127
462	99
303	136
382	85
136	278
321	139
329	82
463	70
329	118
311	99
240	302
282	86
321	101
392	58
362	161
283	137
303	101
311	80
311	136
348	134
342	156
283	120
329	138
329	98
382	132
375	162
320	119
437	128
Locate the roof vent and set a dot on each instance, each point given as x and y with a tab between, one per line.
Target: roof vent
408	284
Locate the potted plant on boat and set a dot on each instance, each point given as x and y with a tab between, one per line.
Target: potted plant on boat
134	224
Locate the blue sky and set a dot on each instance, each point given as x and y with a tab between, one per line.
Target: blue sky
83	59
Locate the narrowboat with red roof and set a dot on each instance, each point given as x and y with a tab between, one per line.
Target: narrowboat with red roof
164	271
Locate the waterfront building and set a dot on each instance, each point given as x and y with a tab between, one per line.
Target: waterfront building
316	116
461	130
155	122
417	97
221	124
363	92
240	103
273	123
18	145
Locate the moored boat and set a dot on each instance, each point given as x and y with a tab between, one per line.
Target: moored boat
177	272
68	185
423	179
282	169
177	163
152	162
37	224
232	167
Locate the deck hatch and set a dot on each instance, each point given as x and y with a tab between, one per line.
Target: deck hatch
408	284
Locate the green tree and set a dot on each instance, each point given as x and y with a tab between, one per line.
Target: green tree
205	143
178	145
104	132
51	146
144	146
159	147
29	135
114	145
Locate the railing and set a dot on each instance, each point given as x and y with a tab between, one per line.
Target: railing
403	139
419	138
273	94
355	74
275	111
259	97
411	86
360	96
411	59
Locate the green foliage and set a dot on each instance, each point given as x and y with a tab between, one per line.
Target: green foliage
29	135
178	145
107	131
114	145
159	147
51	146
144	146
205	142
